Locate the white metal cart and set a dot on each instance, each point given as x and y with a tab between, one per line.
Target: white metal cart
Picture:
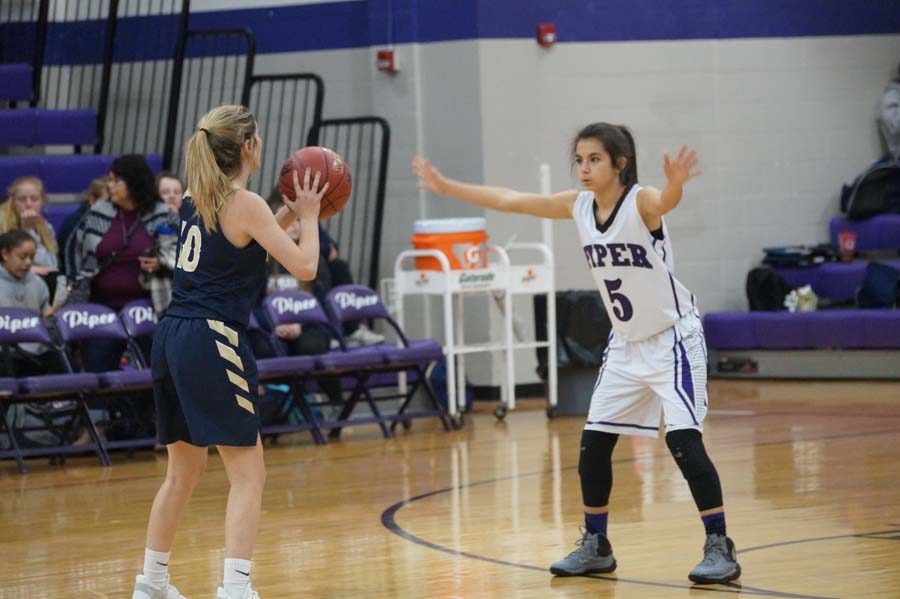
499	276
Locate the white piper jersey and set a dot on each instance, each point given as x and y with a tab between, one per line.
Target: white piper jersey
634	270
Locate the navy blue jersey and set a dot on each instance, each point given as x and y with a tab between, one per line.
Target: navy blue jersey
213	278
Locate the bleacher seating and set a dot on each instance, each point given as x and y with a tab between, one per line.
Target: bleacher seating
824	329
15	82
40	127
836	281
839	343
62	173
880	232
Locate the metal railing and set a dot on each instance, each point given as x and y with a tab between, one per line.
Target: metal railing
364	142
215	67
287	108
136	82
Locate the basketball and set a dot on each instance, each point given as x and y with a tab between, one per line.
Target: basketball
334	170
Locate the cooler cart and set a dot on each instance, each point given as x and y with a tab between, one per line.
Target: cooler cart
436	273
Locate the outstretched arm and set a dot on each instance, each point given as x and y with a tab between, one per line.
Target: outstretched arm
653	203
558	205
300	259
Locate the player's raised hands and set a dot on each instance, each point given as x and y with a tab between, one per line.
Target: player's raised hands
430	177
308	201
682	168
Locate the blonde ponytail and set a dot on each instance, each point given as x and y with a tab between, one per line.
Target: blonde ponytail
212	158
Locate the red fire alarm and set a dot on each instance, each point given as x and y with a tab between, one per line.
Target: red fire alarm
546	34
386	61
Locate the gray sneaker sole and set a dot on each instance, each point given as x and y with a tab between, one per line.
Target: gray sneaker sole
736	573
561	572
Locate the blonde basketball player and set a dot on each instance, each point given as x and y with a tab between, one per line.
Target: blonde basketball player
204	373
656	358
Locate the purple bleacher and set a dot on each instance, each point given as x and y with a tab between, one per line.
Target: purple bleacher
15	82
16	128
40	127
837	281
880	232
62	173
843	329
56	213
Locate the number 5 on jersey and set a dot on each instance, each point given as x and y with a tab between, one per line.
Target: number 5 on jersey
620	305
191	244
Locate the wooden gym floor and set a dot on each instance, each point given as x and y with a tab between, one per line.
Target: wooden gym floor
811	473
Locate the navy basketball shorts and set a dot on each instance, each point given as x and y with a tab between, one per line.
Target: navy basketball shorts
642	381
204	383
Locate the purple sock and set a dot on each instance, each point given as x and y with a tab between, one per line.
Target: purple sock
596	523
714	523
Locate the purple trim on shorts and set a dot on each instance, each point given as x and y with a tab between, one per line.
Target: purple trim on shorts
677	389
646	428
687	378
675	295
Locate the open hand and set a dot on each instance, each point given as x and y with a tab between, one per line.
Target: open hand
308	201
683	167
430	177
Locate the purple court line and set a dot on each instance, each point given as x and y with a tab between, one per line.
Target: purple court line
388	520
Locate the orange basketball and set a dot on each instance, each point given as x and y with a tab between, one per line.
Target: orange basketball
334	170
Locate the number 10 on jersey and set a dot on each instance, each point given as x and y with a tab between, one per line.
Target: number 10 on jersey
191	244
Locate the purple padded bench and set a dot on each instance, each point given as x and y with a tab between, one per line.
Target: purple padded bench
837	281
62	173
877	233
39	127
15	82
826	329
57	213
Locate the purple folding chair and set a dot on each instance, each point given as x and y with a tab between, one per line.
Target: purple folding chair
18	325
293	307
354	303
87	322
140	321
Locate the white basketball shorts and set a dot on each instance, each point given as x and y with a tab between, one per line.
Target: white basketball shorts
638	380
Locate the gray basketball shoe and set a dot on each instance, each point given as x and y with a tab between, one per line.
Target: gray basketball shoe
719	561
144	590
593	556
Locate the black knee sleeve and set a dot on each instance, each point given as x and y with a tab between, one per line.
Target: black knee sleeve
696	467
595	467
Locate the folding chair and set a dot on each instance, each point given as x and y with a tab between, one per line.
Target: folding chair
86	322
289	307
354	303
18	325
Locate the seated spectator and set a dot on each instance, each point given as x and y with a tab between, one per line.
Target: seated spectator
171	190
118	244
95	192
23	211
21	288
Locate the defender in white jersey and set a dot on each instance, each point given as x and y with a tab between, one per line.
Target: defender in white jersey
655	363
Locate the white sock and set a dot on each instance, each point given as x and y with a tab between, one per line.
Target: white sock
237	576
156	567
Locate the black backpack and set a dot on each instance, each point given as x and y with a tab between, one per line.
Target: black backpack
876	191
766	290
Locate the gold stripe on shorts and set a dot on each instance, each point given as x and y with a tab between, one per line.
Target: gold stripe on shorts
224	330
229	354
244	403
238	381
